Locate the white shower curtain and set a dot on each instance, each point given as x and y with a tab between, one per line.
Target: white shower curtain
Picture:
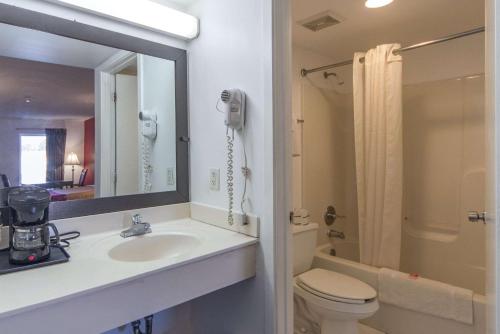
379	154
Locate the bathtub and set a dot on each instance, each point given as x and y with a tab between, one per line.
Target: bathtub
392	319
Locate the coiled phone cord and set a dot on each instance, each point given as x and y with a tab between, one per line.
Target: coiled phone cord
246	175
146	164
230	177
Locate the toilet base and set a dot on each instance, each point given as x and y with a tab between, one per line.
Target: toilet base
339	327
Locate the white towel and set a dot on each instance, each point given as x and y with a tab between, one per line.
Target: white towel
426	296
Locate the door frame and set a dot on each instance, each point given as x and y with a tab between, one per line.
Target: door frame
279	160
492	75
105	87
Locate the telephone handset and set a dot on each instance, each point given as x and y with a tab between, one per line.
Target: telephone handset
234	108
233	101
148	124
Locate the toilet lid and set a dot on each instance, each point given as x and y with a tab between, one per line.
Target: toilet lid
329	283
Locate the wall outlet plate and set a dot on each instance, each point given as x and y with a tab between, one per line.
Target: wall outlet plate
170	176
214	179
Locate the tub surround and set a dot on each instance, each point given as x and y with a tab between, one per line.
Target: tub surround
78	292
394	319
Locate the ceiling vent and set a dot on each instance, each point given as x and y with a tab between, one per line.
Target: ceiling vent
320	21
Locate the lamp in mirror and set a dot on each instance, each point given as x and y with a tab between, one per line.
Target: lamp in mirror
72	160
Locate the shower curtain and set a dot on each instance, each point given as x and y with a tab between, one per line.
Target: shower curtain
379	154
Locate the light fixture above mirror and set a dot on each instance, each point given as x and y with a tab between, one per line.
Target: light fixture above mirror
143	13
377	3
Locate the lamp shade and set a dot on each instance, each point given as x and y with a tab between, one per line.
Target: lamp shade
72	159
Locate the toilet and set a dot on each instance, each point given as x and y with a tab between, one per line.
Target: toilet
338	300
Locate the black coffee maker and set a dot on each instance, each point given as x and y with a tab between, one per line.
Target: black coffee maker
29	228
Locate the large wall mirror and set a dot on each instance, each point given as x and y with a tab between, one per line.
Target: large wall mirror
99	120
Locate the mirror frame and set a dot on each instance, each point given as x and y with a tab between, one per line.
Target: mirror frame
25	18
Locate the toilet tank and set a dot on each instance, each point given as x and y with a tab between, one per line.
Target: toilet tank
304	246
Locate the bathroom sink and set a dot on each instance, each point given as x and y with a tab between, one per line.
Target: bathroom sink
152	247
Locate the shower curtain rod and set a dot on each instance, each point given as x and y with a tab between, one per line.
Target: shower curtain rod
304	72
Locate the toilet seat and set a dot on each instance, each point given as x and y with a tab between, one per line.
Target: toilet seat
336	287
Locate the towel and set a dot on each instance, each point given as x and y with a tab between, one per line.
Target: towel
425	296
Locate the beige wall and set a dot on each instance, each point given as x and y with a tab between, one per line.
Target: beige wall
302	59
443	152
328	159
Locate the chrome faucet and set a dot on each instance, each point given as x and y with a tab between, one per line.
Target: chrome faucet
137	228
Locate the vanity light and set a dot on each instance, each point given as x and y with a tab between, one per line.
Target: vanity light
144	13
377	3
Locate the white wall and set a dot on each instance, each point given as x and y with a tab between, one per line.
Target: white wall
157	94
175	320
457	58
231	52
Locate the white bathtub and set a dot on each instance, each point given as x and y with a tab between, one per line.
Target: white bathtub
391	319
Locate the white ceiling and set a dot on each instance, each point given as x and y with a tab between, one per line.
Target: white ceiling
403	21
55	91
35	45
56	73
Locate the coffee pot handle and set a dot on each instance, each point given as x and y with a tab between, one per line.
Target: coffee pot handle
54	240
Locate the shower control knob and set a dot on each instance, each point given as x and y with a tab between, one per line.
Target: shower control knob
331	215
475	216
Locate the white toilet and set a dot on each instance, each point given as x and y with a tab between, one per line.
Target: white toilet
339	300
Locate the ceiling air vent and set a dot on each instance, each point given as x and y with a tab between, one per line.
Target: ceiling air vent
320	21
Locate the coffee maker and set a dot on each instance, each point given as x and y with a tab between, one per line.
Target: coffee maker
29	228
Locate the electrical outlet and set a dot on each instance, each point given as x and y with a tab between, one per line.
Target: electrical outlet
170	176
214	179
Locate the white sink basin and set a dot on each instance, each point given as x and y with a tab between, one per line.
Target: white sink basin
149	247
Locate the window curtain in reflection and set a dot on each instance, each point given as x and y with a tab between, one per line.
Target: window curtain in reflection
379	154
56	147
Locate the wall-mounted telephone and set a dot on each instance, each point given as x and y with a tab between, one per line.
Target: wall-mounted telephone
148	124
234	108
234	104
149	130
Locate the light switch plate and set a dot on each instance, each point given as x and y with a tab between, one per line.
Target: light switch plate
214	179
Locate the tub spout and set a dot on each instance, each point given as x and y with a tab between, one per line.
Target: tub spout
335	234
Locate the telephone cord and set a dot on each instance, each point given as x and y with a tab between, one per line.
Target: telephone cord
147	167
230	177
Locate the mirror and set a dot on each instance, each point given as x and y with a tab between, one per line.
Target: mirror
86	120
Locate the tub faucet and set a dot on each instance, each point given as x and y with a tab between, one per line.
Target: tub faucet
137	228
335	234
